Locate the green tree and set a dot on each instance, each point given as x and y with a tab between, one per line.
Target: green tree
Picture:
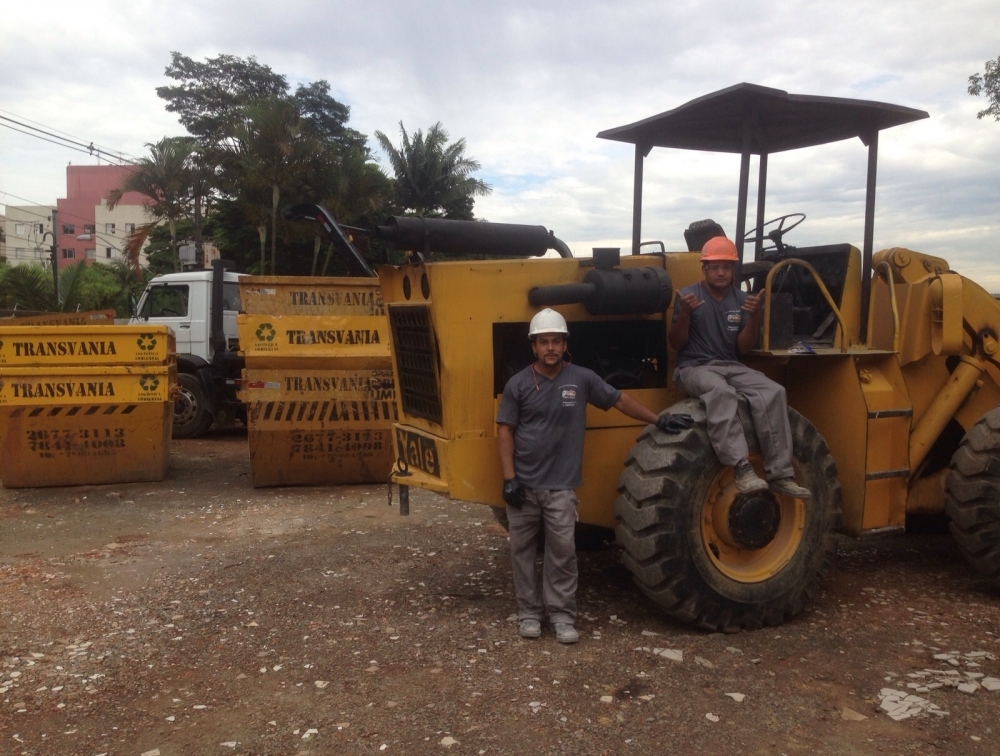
26	287
988	85
164	179
208	94
433	177
268	148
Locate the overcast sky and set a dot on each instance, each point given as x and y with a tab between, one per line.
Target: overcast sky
529	84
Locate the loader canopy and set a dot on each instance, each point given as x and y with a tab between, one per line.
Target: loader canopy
748	119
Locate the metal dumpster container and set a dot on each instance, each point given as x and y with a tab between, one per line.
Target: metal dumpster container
318	381
63	426
357	341
319	427
304	295
59	345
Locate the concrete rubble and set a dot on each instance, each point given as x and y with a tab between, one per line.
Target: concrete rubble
898	705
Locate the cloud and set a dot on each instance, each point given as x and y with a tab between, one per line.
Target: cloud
529	84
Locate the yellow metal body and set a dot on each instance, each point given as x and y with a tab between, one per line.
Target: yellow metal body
68	417
927	361
465	299
318	381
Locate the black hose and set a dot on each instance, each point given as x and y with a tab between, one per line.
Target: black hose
559	246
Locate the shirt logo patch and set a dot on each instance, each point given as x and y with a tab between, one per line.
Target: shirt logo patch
733	317
568	394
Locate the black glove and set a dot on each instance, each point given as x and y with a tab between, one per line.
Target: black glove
673	424
513	493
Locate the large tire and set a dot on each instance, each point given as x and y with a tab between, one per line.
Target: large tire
972	500
668	489
191	416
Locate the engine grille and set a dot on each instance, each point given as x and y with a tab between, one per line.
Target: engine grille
416	361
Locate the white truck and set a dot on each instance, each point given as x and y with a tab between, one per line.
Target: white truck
201	307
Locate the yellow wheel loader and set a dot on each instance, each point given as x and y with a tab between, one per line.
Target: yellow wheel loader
889	361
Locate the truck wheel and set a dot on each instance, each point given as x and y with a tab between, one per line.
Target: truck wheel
972	500
711	557
191	416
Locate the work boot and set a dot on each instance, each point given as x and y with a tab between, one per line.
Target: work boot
747	481
529	628
565	632
789	487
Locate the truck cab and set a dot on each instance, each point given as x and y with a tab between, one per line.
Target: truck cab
208	360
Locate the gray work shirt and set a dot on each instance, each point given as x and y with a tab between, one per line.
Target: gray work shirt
549	417
714	326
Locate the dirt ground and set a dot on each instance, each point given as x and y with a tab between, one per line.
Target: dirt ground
200	616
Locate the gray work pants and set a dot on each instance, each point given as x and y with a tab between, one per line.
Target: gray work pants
718	384
553	512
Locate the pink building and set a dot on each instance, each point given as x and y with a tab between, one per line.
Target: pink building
82	211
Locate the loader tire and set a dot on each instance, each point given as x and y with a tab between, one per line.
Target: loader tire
670	489
191	415
972	498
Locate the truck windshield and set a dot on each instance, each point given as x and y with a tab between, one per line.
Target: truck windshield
231	296
165	301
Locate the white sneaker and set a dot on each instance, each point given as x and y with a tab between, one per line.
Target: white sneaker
529	628
565	632
747	481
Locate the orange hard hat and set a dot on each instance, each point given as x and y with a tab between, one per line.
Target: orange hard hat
719	249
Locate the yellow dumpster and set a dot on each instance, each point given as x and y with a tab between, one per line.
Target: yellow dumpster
318	381
28	345
64	426
304	295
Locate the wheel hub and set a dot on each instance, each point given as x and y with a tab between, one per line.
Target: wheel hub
185	406
754	520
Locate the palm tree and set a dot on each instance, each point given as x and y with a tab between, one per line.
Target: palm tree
26	287
433	177
164	178
268	148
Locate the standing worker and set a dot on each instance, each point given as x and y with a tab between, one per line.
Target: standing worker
715	322
541	424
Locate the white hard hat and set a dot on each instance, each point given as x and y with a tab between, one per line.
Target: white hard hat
547	321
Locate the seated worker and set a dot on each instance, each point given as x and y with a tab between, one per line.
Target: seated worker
715	322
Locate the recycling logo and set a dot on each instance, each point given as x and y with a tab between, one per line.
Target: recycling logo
1	343
266	332
146	342
149	383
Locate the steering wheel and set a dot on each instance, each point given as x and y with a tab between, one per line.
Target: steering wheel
775	234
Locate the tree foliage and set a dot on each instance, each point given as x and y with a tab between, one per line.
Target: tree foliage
433	177
209	92
165	179
264	147
81	287
988	85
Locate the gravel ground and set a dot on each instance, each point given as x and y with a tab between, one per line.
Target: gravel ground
200	616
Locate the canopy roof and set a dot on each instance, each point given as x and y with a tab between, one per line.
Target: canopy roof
777	120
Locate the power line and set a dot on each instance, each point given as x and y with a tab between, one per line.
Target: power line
36	136
88	148
60	131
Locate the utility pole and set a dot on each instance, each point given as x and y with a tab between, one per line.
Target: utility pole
55	253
